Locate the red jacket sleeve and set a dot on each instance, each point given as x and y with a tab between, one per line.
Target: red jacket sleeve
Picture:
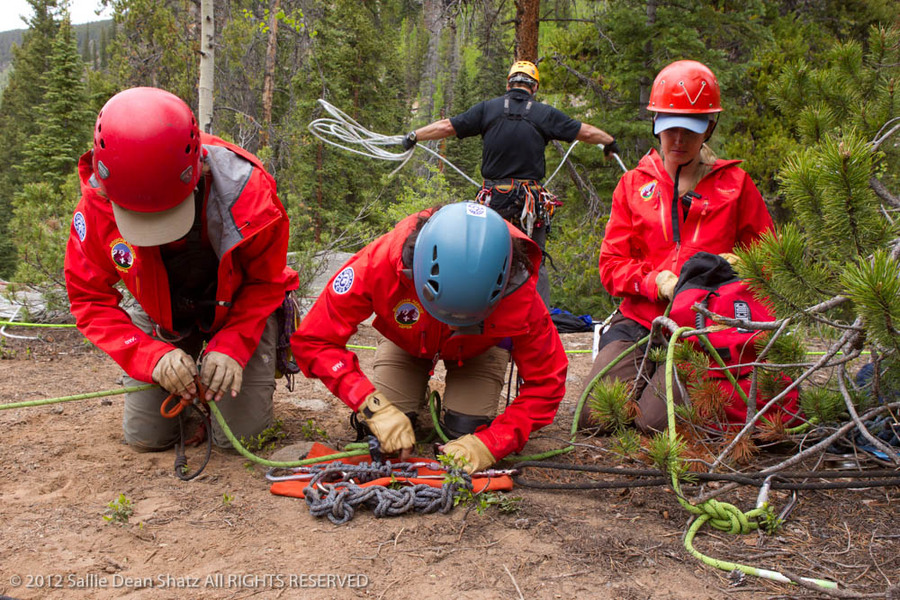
623	271
94	301
320	343
263	282
542	364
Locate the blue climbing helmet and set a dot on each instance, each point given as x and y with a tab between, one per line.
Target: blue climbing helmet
461	263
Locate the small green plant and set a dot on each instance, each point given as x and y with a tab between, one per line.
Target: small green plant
770	521
657	354
825	405
119	510
667	455
266	439
311	431
609	401
454	467
227	499
627	442
6	353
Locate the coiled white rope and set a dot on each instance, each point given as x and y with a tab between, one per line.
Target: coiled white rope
341	130
344	132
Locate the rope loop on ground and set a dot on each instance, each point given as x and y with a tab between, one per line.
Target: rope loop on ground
339	500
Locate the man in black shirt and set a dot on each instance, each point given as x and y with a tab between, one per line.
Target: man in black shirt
515	129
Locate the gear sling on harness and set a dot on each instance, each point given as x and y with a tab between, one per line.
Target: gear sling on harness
523	202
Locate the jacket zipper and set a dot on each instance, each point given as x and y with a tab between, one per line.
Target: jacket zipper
700	219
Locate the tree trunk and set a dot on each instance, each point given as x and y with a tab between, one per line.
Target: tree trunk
207	64
646	83
269	75
527	16
434	23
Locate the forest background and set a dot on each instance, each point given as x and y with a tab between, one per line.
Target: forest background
795	75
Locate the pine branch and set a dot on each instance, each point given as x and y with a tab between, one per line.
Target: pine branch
849	338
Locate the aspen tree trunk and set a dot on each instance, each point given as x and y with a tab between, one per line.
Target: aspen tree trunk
207	65
269	76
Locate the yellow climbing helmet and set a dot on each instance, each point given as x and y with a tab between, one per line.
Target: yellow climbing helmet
526	68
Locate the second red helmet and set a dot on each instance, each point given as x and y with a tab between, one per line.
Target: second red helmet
685	87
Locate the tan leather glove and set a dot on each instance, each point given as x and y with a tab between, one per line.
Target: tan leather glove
733	259
665	283
392	428
175	372
220	373
472	450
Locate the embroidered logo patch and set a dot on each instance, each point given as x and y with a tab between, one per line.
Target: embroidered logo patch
476	210
407	313
80	225
122	254
647	190
343	281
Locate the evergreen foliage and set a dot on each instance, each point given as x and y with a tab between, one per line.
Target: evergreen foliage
63	119
21	97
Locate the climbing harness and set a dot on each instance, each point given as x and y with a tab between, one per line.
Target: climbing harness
288	316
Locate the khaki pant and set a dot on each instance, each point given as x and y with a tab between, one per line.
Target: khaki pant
247	415
650	389
472	389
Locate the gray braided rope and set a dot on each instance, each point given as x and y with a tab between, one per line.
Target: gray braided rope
339	499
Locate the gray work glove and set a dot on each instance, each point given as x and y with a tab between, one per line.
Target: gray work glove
220	373
175	372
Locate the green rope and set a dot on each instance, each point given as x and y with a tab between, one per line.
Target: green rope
19	324
359	449
352	449
720	515
30	403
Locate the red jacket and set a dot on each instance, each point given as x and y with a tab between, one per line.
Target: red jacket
640	242
248	228
373	281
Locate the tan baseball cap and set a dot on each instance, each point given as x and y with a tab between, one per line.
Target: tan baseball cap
155	228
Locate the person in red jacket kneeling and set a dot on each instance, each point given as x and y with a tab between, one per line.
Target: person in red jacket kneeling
456	284
193	228
675	203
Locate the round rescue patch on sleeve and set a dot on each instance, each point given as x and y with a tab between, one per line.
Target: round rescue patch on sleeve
80	225
343	281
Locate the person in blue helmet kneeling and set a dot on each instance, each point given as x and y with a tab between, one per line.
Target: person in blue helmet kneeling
456	284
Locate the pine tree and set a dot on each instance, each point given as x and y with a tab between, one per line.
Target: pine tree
17	113
839	242
42	208
63	119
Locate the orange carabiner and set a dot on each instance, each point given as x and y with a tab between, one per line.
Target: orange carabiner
173	411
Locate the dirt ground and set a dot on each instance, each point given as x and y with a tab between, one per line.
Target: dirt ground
224	535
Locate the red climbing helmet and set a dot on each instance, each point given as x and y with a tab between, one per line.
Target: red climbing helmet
147	161
685	87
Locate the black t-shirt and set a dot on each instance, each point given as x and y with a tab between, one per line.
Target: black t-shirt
513	145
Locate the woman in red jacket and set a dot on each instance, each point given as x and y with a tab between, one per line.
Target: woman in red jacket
675	203
457	284
193	228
